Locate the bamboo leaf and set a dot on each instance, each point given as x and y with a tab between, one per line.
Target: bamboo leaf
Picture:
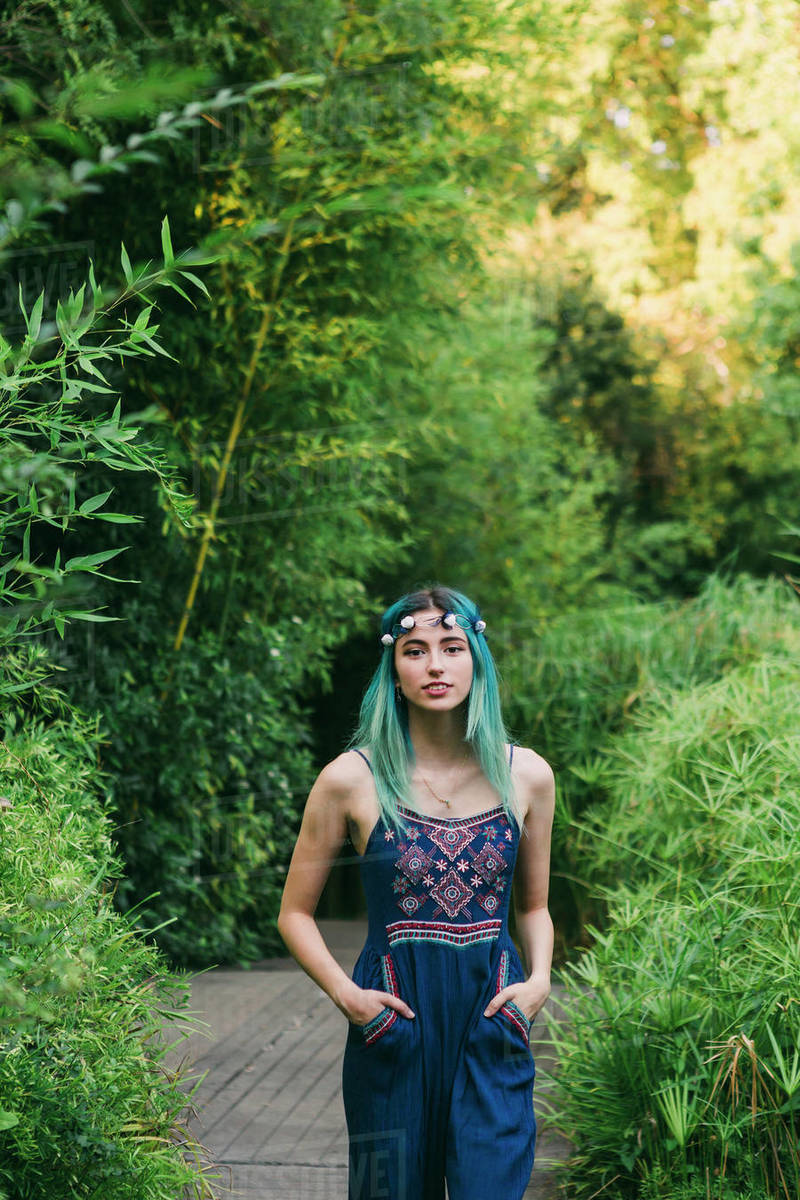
126	265
86	562
94	502
166	243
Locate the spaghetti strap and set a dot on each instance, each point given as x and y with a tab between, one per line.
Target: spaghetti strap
511	754
366	760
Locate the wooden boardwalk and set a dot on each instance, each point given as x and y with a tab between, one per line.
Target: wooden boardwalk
270	1107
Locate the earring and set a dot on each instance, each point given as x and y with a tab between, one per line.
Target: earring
398	695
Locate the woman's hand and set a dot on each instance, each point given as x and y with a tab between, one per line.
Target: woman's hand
360	1005
528	996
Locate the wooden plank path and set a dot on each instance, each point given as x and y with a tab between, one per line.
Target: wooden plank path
270	1107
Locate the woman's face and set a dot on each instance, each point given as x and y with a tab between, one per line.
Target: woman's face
433	664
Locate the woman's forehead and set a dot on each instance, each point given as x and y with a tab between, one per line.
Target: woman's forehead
427	614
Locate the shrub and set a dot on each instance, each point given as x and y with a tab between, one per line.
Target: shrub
87	1107
679	1066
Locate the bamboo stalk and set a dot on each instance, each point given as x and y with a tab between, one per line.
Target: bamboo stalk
233	436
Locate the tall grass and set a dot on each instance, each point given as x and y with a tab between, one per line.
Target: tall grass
679	1067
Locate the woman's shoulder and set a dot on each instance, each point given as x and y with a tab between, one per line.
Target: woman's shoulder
343	773
532	771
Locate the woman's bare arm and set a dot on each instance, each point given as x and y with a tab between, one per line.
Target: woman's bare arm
535	784
322	834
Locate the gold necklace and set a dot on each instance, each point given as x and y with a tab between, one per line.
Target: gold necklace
433	793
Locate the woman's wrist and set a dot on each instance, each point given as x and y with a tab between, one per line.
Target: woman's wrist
343	995
541	978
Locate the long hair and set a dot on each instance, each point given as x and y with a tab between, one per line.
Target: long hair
383	722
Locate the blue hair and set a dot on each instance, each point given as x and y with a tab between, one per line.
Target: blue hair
383	723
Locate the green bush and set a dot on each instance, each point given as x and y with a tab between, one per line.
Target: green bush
205	781
574	683
87	1106
679	1066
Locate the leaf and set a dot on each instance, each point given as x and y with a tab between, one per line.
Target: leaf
166	243
35	323
80	169
88	366
78	615
94	502
170	283
126	264
197	282
141	321
8	1119
85	562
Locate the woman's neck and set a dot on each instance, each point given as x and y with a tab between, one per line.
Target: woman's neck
438	738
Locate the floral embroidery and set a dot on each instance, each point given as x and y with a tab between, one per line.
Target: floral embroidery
462	864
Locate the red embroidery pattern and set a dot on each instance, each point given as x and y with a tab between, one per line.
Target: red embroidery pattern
511	1011
463	934
387	1017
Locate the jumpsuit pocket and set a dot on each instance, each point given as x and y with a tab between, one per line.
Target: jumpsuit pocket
387	1017
511	1013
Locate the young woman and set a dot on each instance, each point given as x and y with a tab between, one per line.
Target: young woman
443	813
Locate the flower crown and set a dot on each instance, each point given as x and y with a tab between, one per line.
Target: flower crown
449	620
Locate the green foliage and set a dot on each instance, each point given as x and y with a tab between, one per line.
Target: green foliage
46	382
89	1107
206	779
339	210
678	1063
575	683
772	332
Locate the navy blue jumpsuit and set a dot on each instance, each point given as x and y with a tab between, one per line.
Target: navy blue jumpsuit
446	1094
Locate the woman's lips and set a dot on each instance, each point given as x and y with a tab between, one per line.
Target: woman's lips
436	689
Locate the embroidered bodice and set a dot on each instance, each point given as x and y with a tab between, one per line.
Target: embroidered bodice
444	879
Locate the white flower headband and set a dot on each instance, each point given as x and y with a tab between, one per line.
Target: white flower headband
449	620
